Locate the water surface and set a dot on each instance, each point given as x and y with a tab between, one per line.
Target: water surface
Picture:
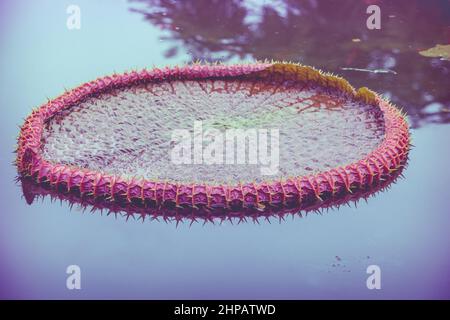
403	230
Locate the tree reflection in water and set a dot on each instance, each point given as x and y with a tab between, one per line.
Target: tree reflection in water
331	35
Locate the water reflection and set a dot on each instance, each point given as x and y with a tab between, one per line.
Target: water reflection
331	35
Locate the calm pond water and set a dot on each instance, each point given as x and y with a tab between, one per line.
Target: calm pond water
403	230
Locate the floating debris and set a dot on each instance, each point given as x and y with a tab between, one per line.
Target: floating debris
369	70
439	51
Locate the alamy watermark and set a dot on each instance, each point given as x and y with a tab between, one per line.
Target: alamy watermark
231	147
374	20
73	281
73	21
374	280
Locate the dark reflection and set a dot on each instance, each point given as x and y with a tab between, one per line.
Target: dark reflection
32	190
331	35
